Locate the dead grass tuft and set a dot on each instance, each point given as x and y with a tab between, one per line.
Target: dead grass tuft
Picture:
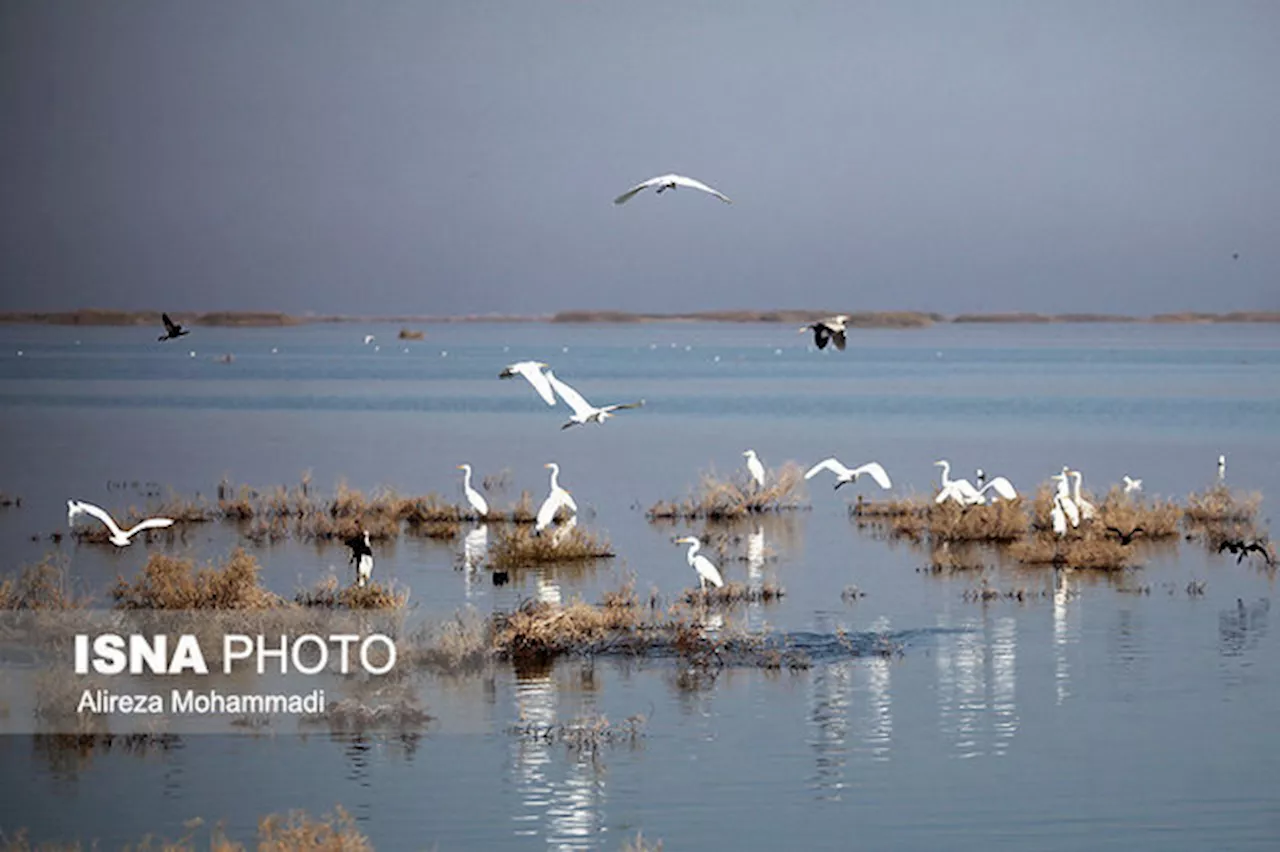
1092	552
586	733
734	593
998	522
639	844
1158	518
330	594
166	582
519	547
460	643
1221	505
42	587
725	499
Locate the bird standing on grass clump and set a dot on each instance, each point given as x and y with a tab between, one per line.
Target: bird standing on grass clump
755	468
361	557
1222	468
557	499
474	497
707	572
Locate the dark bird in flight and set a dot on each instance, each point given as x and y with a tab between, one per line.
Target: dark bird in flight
172	330
1241	549
831	328
1126	537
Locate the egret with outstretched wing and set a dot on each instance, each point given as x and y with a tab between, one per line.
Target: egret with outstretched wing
583	411
119	537
665	182
845	475
532	372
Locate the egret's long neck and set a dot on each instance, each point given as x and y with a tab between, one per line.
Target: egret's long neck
466	477
555	476
1077	476
693	549
946	473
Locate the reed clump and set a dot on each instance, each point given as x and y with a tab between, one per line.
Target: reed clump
539	629
946	558
738	497
639	844
520	547
1158	518
167	582
331	594
735	593
997	522
457	644
411	334
40	587
1221	505
353	716
586	733
1080	551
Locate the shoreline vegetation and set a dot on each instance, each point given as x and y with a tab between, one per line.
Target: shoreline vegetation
857	319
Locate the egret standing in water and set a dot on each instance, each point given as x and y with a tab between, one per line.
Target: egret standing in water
558	498
119	537
755	468
664	182
707	573
846	475
474	497
583	411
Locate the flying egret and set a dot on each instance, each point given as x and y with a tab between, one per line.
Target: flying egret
707	573
755	468
368	338
959	490
1087	511
665	182
120	538
532	371
172	331
361	557
583	411
555	500
845	475
1131	484
474	497
1222	468
831	328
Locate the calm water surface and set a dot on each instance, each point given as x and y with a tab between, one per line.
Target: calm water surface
1093	719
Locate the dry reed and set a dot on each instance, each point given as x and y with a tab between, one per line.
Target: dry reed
734	593
725	499
168	583
39	587
519	547
330	594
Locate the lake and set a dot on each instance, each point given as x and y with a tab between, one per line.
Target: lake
1090	717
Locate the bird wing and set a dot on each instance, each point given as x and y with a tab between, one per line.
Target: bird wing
640	187
681	180
547	512
1069	507
168	324
876	471
571	397
820	335
620	406
703	566
1059	517
838	337
832	464
534	375
477	501
149	524
1002	486
97	511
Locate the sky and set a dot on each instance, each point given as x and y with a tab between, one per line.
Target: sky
461	157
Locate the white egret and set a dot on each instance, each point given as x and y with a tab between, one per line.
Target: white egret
532	371
1002	487
172	331
665	182
1222	468
707	572
1058	515
831	328
368	338
1131	484
558	498
119	537
845	475
583	411
959	490
1062	497
361	557
755	468
980	476
562	531
1087	511
474	497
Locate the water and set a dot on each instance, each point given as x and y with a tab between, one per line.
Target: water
1093	719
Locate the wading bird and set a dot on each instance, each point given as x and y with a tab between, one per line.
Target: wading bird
665	182
474	497
831	328
1087	511
707	573
1003	488
120	538
755	468
959	490
1222	468
532	371
361	557
172	331
558	498
583	411
1062	508
1131	484
1125	537
845	475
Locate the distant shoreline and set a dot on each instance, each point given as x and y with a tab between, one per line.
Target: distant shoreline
857	319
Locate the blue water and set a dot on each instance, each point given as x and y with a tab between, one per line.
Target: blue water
1102	719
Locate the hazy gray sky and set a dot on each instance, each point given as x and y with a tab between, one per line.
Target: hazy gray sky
462	157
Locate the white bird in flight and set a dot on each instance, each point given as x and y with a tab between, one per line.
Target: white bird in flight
555	500
474	497
960	490
665	182
845	475
120	538
1131	484
755	468
532	371
707	572
583	411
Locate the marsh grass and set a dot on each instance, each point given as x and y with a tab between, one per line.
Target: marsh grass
639	844
458	644
519	547
41	587
329	593
1220	505
169	583
589	733
1090	551
538	629
737	497
998	522
1158	518
734	593
963	556
400	713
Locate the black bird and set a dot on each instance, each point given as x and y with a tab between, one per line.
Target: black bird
1241	549
831	328
172	330
1126	537
361	556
